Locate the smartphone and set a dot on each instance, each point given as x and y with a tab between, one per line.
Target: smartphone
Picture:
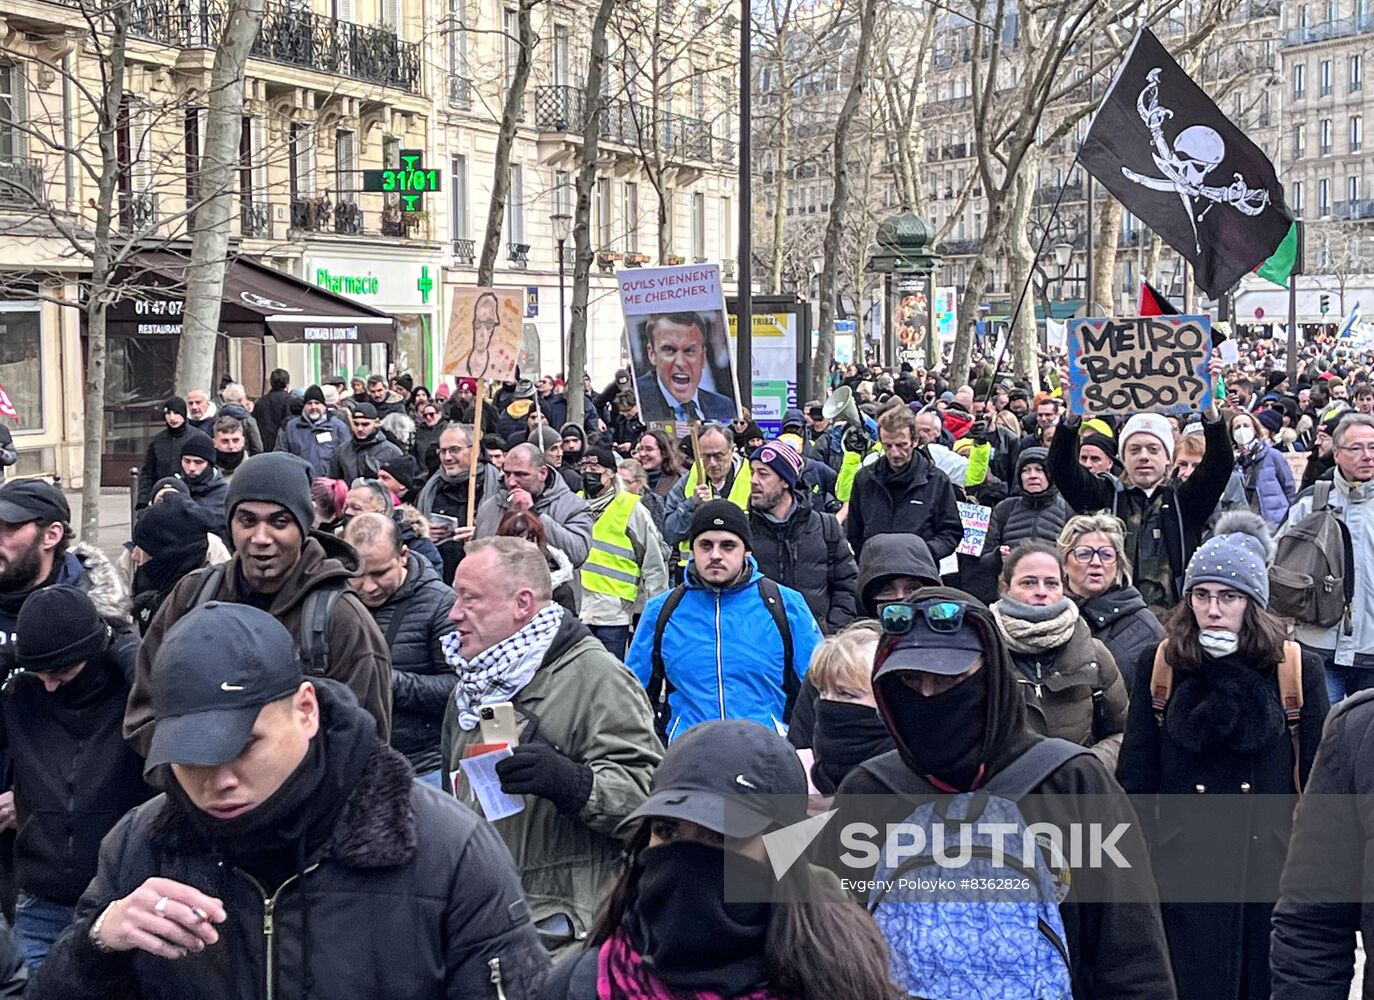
497	723
447	524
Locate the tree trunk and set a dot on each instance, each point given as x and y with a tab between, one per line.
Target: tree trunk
586	178
1152	251
839	199
510	121
214	188
994	236
1104	263
1024	334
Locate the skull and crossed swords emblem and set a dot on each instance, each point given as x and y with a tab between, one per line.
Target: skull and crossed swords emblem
1195	153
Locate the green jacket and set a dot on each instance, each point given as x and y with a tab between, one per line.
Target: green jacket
587	704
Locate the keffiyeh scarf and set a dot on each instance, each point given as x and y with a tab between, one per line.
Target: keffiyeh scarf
498	673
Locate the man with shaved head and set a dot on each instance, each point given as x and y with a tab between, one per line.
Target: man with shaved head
530	484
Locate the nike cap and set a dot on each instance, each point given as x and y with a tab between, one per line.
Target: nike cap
211	676
736	778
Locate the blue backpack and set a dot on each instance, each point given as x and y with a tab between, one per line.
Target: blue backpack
984	946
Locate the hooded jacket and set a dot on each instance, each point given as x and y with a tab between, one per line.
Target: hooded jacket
714	674
358	656
809	553
314	442
1019	517
355	459
1114	935
409	896
918	499
1120	619
252	433
210	490
413	621
584	702
566	518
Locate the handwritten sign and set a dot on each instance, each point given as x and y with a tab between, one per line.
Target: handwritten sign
1140	364
975	519
484	331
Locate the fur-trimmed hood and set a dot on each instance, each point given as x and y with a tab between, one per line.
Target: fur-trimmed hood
91	570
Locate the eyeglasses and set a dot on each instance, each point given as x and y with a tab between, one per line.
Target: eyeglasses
714	456
1362	450
1085	553
941	616
1224	598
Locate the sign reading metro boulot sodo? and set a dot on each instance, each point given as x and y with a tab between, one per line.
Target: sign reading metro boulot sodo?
1151	364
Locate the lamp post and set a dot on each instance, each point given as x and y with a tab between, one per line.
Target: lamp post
562	229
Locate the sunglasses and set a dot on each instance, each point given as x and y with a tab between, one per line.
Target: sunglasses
941	616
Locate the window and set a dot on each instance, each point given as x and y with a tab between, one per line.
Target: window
1356	133
1324	136
604	239
1325	77
727	228
343	10
1299	80
1332	10
630	197
301	148
561	77
1299	141
1295	199
391	16
458	53
193	149
515	205
346	166
1355	72
698	226
21	362
1323	197
564	197
458	197
12	109
246	160
1352	195
510	25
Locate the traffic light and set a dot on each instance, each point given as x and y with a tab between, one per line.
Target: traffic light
1325	303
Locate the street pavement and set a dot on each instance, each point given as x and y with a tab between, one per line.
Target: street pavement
115	525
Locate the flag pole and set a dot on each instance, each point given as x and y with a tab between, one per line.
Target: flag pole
1293	331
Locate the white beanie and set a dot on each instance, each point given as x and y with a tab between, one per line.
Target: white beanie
1149	423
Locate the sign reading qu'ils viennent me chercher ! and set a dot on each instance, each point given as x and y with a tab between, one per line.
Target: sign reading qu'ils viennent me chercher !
1150	364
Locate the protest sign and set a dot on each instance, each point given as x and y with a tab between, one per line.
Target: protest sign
679	343
774	375
1140	364
484	333
975	519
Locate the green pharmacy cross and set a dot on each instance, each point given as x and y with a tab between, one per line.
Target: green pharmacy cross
410	180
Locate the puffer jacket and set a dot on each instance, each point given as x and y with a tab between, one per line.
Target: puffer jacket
565	516
1266	481
413	622
316	443
1122	622
355	459
809	553
1075	693
584	702
1019	517
411	896
722	651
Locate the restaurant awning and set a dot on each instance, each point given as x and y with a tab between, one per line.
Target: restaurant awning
258	300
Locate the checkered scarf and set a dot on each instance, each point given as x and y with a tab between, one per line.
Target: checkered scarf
498	673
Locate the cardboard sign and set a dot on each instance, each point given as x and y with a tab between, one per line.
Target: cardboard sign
484	329
975	518
1150	364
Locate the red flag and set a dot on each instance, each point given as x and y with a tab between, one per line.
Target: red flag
1152	303
7	405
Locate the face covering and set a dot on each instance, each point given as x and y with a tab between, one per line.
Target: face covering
845	736
943	734
685	931
591	483
229	460
1244	436
1218	642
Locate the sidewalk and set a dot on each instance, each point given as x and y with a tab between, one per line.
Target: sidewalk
115	526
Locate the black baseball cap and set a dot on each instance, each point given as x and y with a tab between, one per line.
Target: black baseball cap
736	778
205	705
932	652
25	500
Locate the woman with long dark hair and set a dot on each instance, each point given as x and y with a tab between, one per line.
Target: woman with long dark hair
669	929
661	460
1224	707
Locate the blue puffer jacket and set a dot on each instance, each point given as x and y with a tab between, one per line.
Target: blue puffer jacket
313	442
1265	481
723	653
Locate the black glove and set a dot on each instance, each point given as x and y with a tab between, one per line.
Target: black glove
980	432
856	440
539	769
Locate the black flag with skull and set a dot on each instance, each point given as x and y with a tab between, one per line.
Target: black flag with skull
1175	161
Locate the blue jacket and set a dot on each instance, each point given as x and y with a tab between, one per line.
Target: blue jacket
722	652
1267	478
313	442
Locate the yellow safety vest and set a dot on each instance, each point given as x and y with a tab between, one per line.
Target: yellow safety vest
739	496
611	567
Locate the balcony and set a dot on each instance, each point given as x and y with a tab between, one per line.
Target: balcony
465	251
291	35
563	109
459	93
1046	194
21	182
255	220
1361	208
519	255
137	210
356	214
1341	28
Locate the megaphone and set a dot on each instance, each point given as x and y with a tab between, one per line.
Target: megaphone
841	406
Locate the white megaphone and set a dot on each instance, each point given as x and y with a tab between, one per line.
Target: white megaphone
841	406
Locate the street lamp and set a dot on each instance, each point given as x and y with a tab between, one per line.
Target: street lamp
1063	255
562	229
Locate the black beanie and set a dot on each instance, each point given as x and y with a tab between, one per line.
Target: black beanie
168	528
720	515
175	482
174	404
1101	441
58	627
404	469
198	446
275	477
313	394
603	453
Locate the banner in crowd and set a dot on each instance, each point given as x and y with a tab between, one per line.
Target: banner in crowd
946	305
679	344
1139	364
485	326
774	375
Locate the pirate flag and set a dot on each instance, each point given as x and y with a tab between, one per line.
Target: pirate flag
1169	155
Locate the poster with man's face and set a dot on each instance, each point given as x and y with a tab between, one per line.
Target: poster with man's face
484	329
680	352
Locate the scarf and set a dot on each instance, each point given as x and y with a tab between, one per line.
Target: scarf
424	502
598	504
498	673
1028	629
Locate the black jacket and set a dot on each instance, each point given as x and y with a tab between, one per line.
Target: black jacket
411	896
355	458
74	776
808	552
1019	517
1126	627
162	459
271	411
919	500
413	622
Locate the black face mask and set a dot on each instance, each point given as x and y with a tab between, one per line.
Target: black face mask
201	480
229	460
591	484
682	926
943	734
846	735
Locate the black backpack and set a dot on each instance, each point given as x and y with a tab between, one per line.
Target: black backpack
316	610
660	687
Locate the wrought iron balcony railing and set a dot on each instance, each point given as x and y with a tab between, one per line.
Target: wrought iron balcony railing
255	220
564	109
518	254
352	213
21	181
459	93
137	210
465	250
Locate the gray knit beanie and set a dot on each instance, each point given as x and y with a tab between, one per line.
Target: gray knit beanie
275	477
1236	556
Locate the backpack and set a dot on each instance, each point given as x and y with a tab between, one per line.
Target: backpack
316	610
988	943
1290	694
1312	579
660	687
